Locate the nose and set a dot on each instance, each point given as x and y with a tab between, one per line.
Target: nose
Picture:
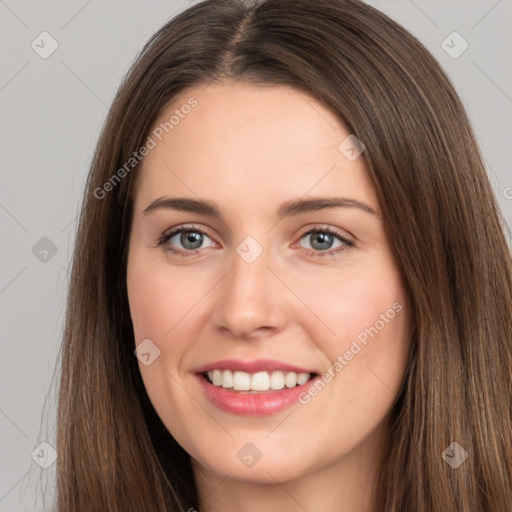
251	301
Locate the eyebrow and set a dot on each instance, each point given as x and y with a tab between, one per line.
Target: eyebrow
287	209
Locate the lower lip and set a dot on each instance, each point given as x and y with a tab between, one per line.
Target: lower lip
253	404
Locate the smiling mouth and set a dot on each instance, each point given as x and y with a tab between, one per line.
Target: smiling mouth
258	382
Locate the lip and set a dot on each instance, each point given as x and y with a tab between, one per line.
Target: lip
252	404
253	366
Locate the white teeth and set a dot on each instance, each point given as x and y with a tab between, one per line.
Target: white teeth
277	380
290	380
260	381
217	377
241	381
227	379
302	378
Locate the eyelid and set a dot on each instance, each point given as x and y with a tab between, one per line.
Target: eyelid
186	227
341	233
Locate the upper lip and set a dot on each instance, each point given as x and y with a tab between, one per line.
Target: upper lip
253	366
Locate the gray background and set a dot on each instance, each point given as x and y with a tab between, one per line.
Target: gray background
52	110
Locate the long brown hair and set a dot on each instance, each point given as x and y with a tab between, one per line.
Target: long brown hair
443	225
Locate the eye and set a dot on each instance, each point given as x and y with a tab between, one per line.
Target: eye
321	241
190	238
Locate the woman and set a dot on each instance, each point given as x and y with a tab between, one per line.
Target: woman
373	375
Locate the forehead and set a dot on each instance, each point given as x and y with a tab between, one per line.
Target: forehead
249	144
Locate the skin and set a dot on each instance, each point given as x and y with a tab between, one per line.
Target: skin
249	148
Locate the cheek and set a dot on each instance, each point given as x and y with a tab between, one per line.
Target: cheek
158	298
369	318
161	309
354	301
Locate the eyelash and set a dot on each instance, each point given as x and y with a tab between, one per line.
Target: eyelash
347	244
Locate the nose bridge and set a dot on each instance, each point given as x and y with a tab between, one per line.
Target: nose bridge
250	267
250	296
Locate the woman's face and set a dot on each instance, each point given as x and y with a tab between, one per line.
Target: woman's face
265	280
